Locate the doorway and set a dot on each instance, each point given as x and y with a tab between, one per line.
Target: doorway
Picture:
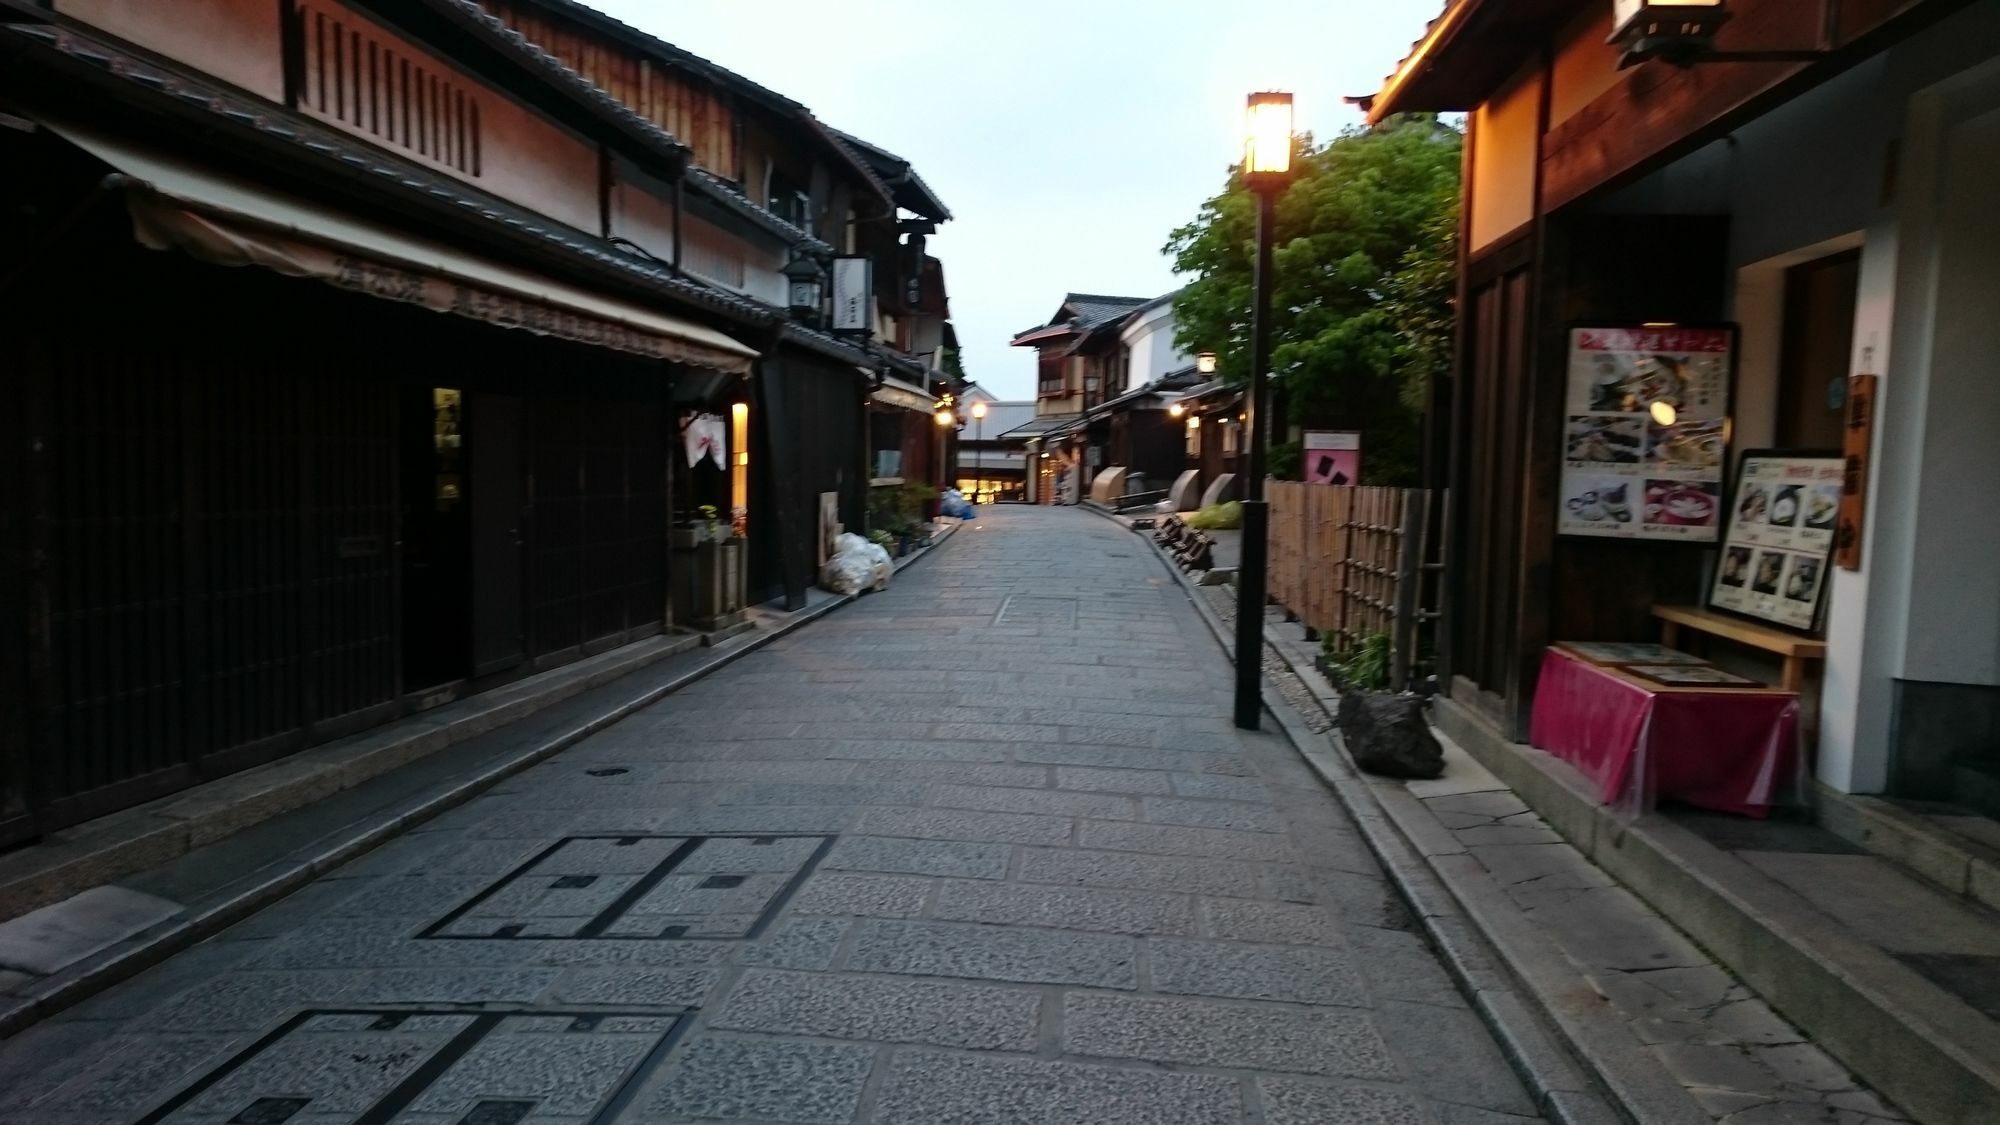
1813	359
437	551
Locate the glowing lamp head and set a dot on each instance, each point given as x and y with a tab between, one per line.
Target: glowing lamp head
1663	412
979	410
1205	363
944	417
1176	410
1267	149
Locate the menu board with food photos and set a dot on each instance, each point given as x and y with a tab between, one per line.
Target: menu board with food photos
1781	532
1645	431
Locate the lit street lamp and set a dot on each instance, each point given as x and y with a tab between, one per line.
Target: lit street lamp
1267	168
979	451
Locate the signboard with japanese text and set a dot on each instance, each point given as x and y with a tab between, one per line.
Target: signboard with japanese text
1781	533
1859	428
1332	457
853	295
1646	431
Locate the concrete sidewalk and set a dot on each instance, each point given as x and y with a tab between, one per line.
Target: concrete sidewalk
983	847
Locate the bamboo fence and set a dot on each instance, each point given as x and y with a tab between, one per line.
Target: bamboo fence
1349	563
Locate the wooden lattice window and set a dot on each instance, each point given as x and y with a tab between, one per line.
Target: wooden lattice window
385	91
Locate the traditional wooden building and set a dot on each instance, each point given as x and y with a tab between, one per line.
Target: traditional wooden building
1821	205
430	436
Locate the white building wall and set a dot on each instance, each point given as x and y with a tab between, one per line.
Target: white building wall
1150	339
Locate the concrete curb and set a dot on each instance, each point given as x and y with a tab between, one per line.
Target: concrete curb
100	971
1544	1065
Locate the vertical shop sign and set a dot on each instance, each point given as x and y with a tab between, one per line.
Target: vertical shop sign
1855	444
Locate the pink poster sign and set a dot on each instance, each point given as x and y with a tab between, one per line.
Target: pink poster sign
1332	457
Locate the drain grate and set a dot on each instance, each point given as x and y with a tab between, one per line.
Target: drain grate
374	1066
692	888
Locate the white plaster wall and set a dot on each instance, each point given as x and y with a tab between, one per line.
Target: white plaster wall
1151	340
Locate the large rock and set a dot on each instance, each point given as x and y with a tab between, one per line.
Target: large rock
1388	736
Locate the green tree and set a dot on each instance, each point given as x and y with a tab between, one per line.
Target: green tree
1361	298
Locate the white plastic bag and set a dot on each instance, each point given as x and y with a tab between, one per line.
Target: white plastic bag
856	565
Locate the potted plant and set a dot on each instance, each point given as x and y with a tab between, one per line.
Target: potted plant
712	524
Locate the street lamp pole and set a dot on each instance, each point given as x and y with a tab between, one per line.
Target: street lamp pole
1267	165
979	449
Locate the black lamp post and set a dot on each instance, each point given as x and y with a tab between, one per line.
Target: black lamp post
1267	167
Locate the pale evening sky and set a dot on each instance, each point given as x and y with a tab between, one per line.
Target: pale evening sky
1068	137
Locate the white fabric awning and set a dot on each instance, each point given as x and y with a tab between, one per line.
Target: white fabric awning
233	222
893	393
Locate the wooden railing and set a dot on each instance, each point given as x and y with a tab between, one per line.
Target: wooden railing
1351	563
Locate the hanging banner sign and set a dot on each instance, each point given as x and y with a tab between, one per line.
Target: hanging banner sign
1855	444
853	295
1646	428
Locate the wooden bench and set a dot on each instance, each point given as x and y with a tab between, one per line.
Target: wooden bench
1792	648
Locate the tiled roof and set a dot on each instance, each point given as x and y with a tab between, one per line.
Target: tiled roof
712	186
1092	309
898	174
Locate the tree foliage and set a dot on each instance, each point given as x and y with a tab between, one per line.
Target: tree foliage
1361	298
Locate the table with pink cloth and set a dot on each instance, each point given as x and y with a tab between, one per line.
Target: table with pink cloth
1727	749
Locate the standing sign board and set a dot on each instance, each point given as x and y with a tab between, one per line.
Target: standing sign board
1332	457
1781	532
853	295
1646	428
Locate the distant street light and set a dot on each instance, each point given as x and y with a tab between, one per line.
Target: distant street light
979	454
1205	363
1267	168
1176	410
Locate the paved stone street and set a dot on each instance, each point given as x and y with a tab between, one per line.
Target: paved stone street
982	848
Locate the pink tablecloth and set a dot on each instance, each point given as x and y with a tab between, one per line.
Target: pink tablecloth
1732	750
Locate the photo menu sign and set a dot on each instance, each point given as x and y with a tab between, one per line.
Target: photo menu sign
1646	430
1781	532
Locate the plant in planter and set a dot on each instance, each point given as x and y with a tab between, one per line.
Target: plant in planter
711	519
1384	730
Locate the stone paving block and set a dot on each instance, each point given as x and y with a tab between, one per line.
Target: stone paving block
1277	923
960	773
958	859
1204	1033
1139	872
129	1073
1111	780
1065	908
796	943
937	750
997	732
1166	839
415	896
1607	927
1214	787
879	896
1108	757
1360	900
670	988
764	1080
925	1088
1449	1054
1234	815
959	949
1402	966
1293	1102
781	793
563	1076
978	1017
1290	973
961	824
1047	802
244	1001
1106	735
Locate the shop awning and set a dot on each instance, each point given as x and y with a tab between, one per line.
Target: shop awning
232	222
893	393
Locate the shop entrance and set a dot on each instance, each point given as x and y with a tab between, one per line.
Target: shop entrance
437	528
1818	341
